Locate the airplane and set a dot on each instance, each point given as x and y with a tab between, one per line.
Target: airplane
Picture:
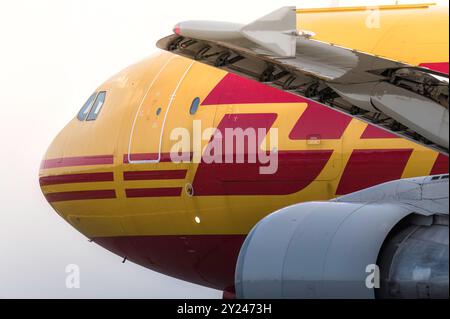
353	103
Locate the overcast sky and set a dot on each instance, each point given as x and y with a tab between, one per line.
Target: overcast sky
53	54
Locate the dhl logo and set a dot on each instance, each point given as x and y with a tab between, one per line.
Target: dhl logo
297	168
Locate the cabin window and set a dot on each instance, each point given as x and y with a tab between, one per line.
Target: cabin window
96	108
194	106
86	107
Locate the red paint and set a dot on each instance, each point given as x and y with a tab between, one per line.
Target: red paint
76	178
437	66
154	175
207	260
296	169
367	168
78	161
321	121
440	166
80	195
153	192
234	89
228	295
373	132
177	29
165	157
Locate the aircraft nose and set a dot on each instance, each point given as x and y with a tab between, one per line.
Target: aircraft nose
77	183
51	171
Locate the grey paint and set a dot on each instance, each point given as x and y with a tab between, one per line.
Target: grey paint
424	116
315	250
416	263
425	195
211	30
322	249
275	32
356	94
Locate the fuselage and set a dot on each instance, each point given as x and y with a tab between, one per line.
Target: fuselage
112	177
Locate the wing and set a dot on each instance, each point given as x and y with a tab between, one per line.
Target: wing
405	99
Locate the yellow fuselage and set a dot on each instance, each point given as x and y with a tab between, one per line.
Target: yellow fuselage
112	178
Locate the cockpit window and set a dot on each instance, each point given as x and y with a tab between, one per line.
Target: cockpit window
95	110
86	107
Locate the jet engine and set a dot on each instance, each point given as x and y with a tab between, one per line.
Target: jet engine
389	241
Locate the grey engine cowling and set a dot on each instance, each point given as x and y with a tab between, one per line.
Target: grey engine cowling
389	241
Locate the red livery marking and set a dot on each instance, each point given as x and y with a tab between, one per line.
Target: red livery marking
296	169
80	195
165	157
437	66
154	175
76	178
320	121
153	192
177	29
440	166
367	168
208	260
375	132
78	161
234	89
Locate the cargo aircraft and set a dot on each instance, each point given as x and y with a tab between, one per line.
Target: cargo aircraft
344	194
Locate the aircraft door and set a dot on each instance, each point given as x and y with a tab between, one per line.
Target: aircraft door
147	132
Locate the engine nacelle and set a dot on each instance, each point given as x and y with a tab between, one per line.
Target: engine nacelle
378	243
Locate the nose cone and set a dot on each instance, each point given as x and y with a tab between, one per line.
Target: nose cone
77	172
51	166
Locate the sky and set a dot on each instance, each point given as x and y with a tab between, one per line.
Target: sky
53	53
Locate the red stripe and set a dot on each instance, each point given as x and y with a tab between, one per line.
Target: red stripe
320	121
76	178
440	166
367	168
165	157
78	161
296	169
373	132
80	195
154	175
207	260
437	66
234	89
153	192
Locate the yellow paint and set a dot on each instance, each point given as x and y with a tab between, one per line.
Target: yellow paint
412	34
419	31
363	8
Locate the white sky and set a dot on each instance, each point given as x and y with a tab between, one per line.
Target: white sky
53	53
